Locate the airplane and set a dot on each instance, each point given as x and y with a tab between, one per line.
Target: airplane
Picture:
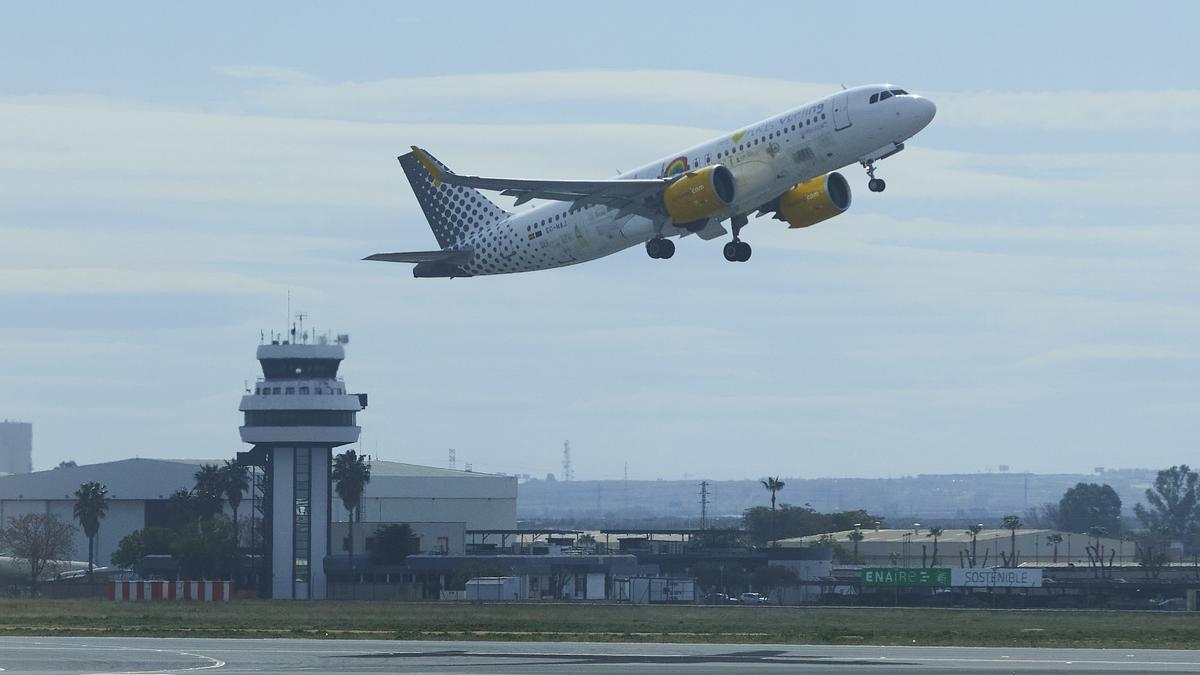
784	166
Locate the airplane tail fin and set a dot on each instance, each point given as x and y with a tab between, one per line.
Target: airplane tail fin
452	211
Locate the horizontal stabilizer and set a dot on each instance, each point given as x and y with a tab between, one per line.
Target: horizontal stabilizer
452	257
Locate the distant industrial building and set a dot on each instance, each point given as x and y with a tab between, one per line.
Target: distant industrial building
913	547
407	493
16	447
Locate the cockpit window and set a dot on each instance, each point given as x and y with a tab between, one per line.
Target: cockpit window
874	98
899	92
885	95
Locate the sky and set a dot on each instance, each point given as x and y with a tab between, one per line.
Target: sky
1025	292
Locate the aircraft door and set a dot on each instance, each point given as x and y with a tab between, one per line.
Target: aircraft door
841	111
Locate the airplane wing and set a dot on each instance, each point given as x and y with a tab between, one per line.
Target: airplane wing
453	257
633	196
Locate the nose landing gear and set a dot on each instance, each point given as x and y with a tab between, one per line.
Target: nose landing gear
737	250
875	184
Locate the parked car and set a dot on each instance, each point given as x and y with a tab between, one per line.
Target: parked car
1173	604
720	599
753	599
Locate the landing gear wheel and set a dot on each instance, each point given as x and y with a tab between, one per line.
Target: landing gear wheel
731	251
737	250
875	184
743	251
660	249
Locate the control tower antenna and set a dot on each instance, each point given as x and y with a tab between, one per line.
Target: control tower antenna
568	473
452	462
301	337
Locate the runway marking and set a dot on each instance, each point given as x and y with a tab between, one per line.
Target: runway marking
214	662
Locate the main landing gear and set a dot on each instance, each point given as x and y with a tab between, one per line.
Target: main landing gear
875	184
660	248
737	250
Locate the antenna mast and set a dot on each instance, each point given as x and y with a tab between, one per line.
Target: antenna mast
453	462
568	473
703	504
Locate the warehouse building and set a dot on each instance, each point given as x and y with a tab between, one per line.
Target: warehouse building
438	502
914	547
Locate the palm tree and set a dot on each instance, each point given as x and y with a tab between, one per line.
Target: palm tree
935	532
974	531
91	505
855	536
350	477
1012	524
774	485
235	480
209	489
1055	539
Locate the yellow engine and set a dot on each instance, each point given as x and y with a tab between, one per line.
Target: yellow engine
814	200
699	194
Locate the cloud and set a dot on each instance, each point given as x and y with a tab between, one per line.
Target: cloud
97	280
274	74
1083	353
661	95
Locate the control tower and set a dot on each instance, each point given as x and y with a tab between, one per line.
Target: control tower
296	414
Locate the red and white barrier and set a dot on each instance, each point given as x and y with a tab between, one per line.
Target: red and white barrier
143	591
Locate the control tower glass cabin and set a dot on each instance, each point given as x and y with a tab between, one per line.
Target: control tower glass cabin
297	413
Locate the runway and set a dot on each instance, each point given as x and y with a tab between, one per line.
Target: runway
200	655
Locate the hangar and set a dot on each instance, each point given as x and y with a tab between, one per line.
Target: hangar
139	490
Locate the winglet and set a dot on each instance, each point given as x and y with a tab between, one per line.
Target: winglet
434	170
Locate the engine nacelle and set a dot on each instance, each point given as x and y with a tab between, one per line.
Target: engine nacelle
699	194
814	200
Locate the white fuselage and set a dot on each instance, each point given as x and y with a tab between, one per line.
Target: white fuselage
766	158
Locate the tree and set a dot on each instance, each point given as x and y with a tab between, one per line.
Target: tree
208	550
1012	524
235	481
935	532
1173	502
1151	551
392	543
764	525
67	464
1055	539
1044	516
138	544
1090	505
350	477
91	505
38	539
209	490
855	536
774	485
974	531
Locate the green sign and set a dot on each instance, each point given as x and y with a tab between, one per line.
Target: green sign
903	577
